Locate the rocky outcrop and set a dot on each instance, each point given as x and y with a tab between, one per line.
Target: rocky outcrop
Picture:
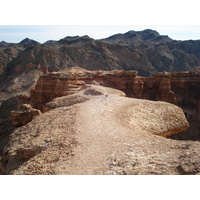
24	115
180	88
168	86
58	84
145	51
6	127
163	86
104	133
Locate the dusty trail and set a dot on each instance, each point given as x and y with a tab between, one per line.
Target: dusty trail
108	134
98	134
107	138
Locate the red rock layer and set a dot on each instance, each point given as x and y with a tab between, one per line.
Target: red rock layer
180	88
57	84
170	87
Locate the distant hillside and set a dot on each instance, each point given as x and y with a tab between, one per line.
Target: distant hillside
145	51
10	51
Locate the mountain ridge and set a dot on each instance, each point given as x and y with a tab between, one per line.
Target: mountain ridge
146	51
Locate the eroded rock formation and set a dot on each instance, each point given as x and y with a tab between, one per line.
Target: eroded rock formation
24	115
180	88
70	81
102	133
6	127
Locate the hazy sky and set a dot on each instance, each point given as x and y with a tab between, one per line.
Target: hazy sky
42	33
98	19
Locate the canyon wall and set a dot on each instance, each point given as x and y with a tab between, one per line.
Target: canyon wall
57	84
180	88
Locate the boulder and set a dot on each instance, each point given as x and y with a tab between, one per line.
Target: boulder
23	116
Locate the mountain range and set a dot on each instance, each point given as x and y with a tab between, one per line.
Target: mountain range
146	51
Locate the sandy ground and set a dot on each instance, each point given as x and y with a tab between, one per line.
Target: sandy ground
107	134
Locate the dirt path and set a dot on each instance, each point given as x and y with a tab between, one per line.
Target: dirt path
107	134
97	138
109	140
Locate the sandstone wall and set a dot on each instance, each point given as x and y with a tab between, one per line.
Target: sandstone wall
57	84
180	88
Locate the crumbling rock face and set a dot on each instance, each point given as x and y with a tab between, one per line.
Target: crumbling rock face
6	127
58	84
24	115
104	134
180	88
163	86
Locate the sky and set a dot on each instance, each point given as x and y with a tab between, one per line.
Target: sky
52	20
42	33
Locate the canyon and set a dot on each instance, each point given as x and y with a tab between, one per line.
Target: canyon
99	122
71	106
97	130
180	88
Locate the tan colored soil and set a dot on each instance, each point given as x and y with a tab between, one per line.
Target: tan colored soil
107	134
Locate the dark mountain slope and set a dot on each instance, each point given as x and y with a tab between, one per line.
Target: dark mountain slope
9	51
146	51
148	36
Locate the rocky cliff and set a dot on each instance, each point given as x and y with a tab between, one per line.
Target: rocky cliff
146	51
67	82
6	127
180	88
85	120
102	132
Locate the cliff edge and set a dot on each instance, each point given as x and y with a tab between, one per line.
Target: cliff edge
102	132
